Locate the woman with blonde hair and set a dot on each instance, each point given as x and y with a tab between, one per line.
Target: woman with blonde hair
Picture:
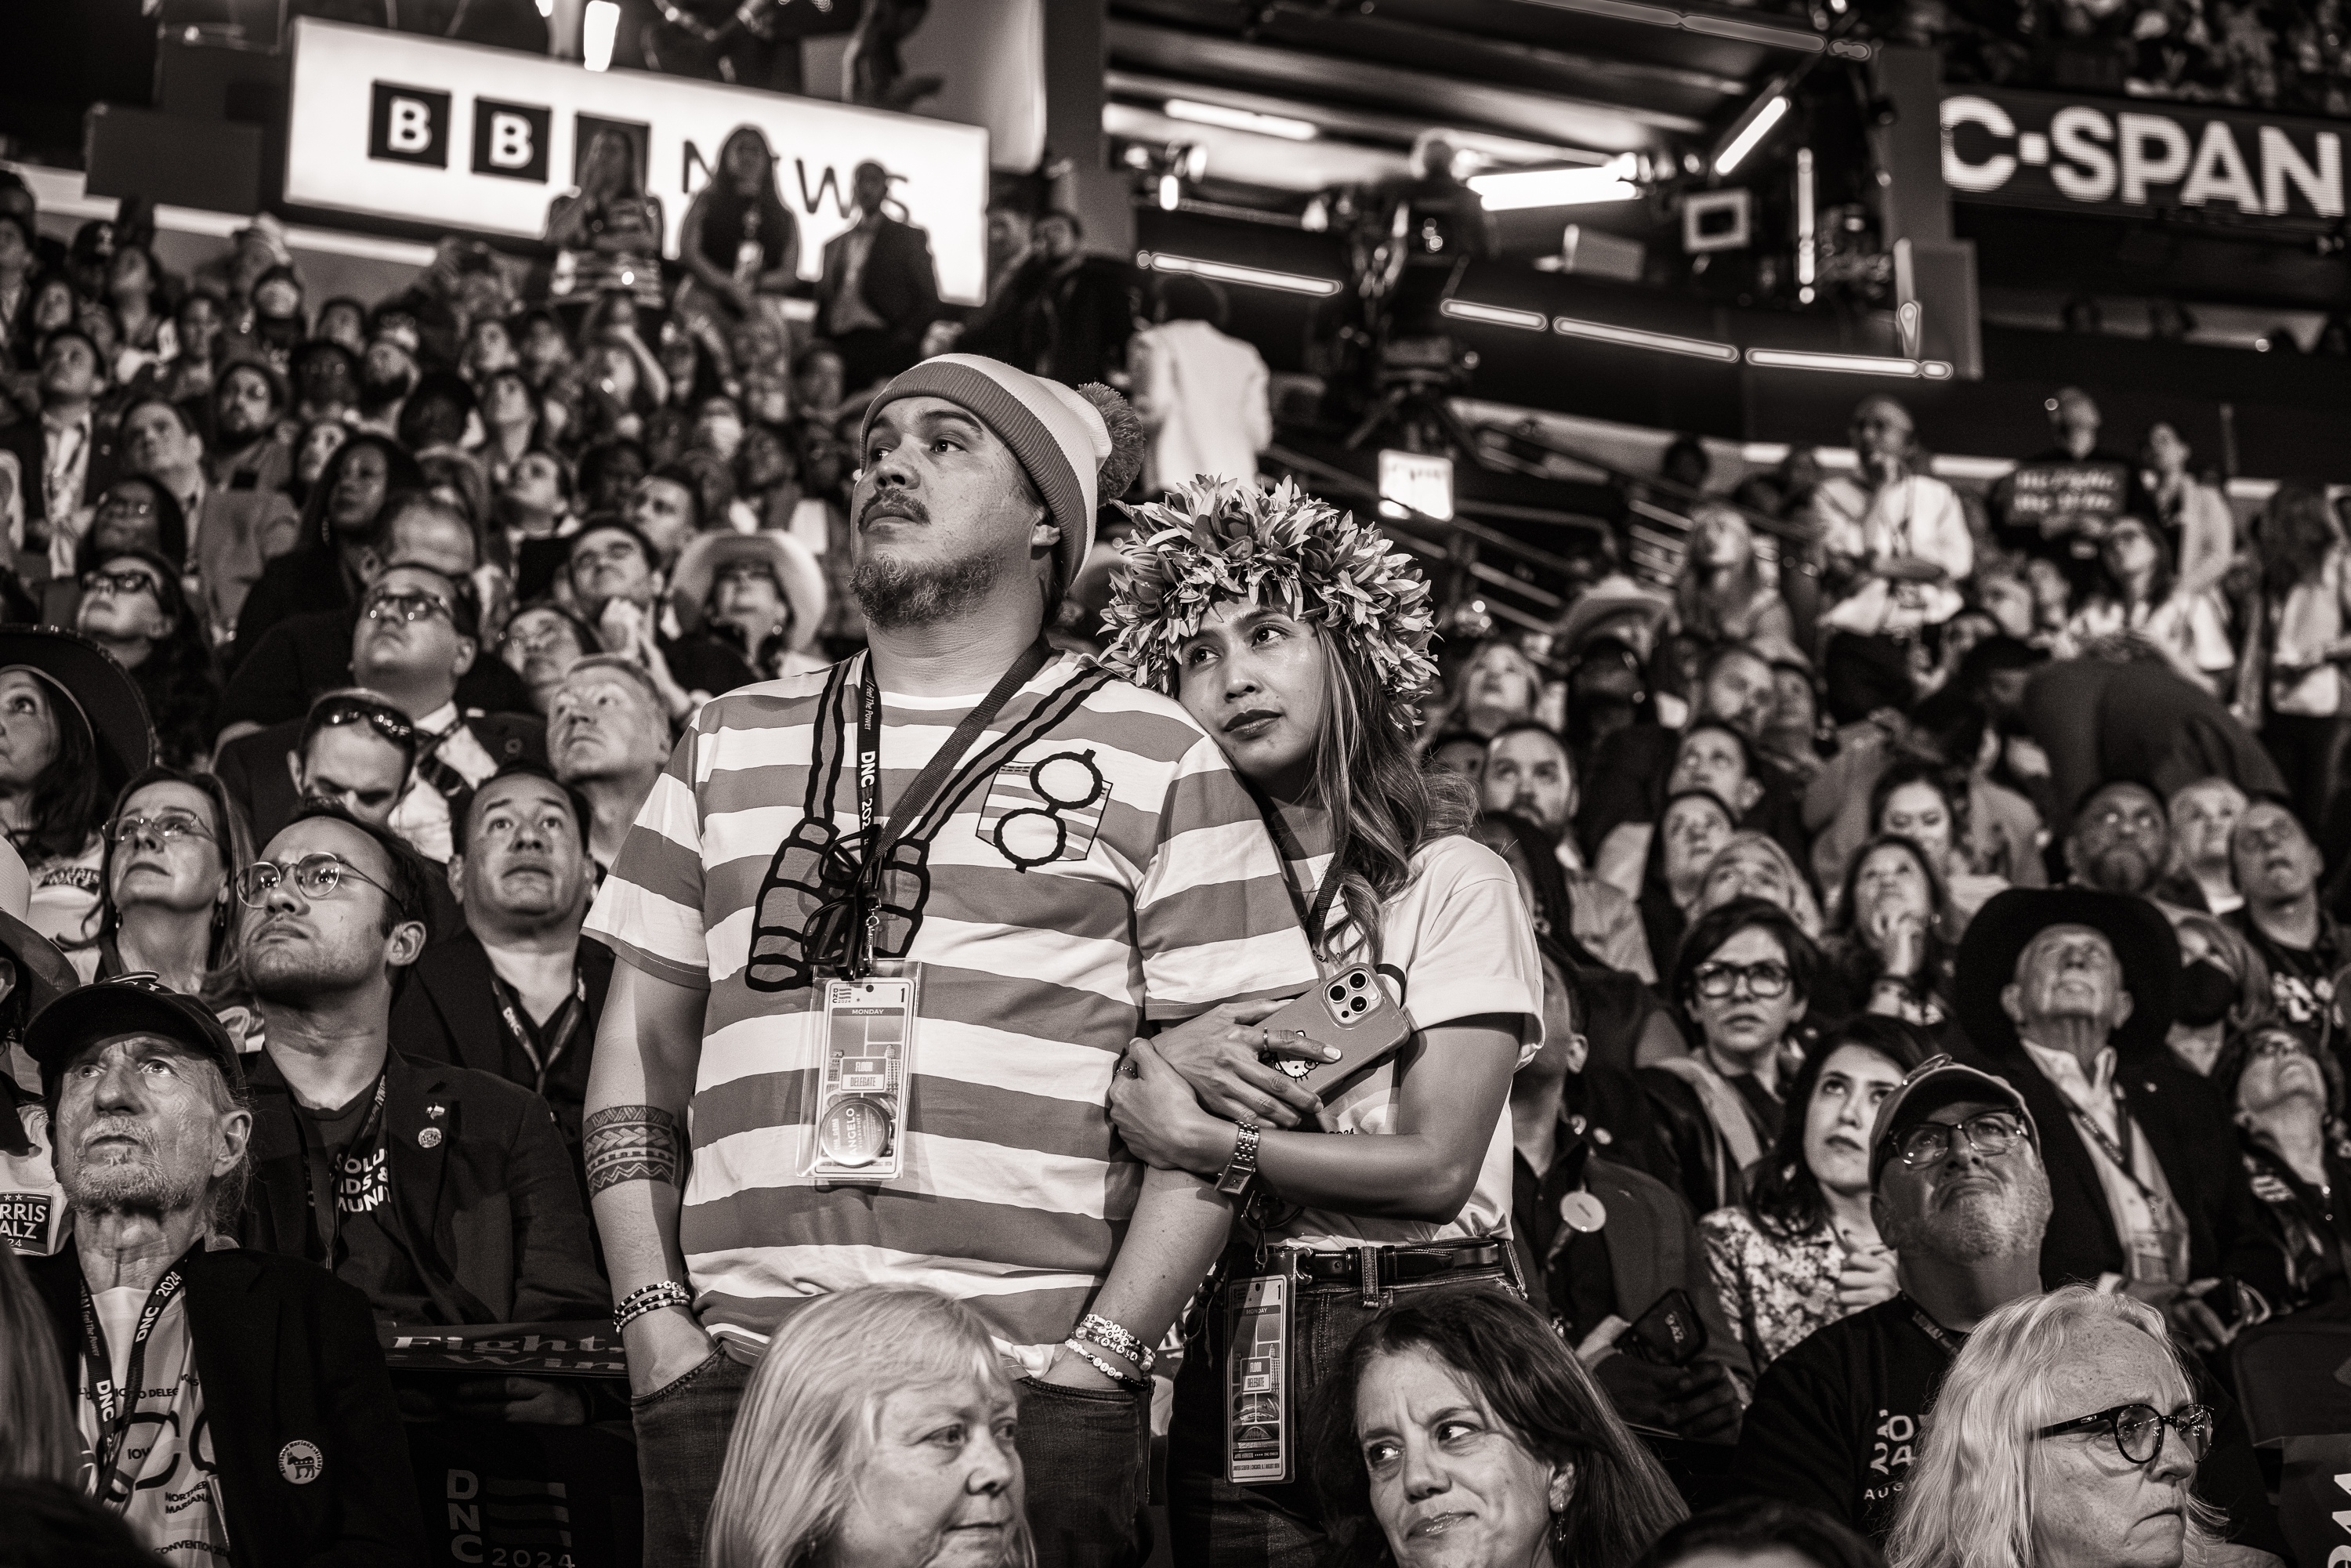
1757	865
2044	1453
1724	593
877	1431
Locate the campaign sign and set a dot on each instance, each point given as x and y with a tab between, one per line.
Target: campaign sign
456	136
2066	498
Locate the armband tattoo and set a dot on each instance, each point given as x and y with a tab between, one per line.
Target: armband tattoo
630	1142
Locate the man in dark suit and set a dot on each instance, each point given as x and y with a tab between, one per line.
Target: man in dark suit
2067	993
67	457
517	991
443	1193
167	1329
880	291
416	636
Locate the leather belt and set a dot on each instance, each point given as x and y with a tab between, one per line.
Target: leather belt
1385	1268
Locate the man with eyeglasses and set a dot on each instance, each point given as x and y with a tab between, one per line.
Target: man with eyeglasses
2068	994
443	1193
2121	841
2278	869
1959	1190
416	636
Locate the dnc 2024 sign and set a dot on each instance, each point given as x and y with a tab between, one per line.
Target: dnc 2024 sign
401	126
2137	158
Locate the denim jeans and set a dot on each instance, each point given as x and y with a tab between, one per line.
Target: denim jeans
1085	1457
1084	1454
682	1432
1217	1524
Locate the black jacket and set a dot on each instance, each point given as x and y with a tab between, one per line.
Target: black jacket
306	578
448	1012
29	440
900	283
2188	1130
483	1201
306	655
284	1351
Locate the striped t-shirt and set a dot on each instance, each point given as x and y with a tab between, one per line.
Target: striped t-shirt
1044	949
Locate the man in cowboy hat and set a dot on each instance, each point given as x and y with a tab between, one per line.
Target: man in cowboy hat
225	1394
2067	993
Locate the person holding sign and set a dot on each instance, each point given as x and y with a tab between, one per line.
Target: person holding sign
2055	508
1292	635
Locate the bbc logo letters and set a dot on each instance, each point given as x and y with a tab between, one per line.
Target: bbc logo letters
412	125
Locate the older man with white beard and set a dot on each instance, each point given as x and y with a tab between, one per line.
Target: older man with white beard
1961	1194
168	1330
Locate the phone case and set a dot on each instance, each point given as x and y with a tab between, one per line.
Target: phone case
1351	1010
1670	1334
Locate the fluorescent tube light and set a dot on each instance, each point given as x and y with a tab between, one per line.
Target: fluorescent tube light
1634	338
1554	187
1494	315
1851	364
1225	272
1774	108
1289	129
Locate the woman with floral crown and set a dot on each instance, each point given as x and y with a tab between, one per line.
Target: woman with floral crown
1300	642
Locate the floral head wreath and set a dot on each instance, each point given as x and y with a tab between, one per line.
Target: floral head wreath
1213	542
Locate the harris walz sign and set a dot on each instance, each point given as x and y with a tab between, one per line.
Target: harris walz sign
2134	158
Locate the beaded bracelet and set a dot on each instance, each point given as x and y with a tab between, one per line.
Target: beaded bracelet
650	1298
1099	1364
1115	1339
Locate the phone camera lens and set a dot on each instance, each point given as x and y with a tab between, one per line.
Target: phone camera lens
1337	993
1356	980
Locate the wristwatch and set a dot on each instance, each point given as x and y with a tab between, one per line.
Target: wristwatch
1241	1169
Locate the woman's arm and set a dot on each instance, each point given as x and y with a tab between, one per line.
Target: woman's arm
2207	541
567	222
1455	1081
1178	1228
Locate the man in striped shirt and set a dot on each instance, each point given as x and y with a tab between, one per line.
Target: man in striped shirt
1085	865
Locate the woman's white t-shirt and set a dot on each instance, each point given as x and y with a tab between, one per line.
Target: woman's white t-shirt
1457	943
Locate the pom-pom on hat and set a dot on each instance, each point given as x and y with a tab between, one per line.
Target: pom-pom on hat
1078	445
1215	543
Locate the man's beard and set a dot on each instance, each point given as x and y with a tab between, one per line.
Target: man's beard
135	1186
2123	869
894	594
1980	1226
380	392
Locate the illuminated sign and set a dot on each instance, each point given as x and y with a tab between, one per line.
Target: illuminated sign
1422	482
402	126
2047	150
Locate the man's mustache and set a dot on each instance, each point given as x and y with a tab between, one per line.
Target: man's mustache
896	505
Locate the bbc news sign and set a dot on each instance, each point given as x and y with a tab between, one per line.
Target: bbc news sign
398	126
2133	159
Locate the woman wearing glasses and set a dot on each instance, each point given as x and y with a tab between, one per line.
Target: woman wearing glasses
1744	981
132	606
2067	1435
173	844
2287	1100
1299	644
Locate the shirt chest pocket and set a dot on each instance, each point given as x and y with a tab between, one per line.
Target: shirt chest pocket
1045	809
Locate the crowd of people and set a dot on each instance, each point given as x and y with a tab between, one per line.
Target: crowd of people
517	813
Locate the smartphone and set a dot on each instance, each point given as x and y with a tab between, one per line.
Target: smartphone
1350	1009
1670	1334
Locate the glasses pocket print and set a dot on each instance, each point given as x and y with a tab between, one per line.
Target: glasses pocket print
1046	809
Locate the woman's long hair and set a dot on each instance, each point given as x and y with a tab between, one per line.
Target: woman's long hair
1857	963
728	205
1970	1502
2106	584
401	472
62	806
231	836
1549	1405
38	1438
178	677
2296	533
811	1416
1383	807
1706	604
1784	1194
1944	781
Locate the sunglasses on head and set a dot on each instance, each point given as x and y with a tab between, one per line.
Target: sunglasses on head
390	723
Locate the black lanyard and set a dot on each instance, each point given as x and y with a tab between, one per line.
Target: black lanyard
326	1217
2119	1155
1951	1342
1292	853
926	785
559	1029
115	1405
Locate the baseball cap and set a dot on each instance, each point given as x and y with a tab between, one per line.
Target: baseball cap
128	1004
1937	1082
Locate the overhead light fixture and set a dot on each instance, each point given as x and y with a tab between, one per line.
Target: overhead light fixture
1609	181
1808	248
1280	125
1226	272
1850	364
1634	338
599	28
1494	315
1760	117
